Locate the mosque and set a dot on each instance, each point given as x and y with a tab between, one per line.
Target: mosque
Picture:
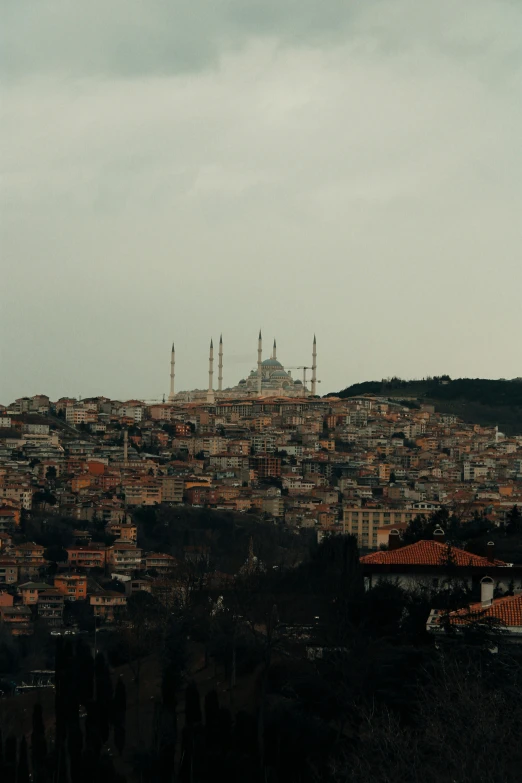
268	379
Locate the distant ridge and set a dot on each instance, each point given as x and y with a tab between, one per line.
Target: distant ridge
474	400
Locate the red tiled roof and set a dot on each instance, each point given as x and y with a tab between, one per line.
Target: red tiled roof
507	610
427	553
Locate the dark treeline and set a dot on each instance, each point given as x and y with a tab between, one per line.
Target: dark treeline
308	677
482	400
472	532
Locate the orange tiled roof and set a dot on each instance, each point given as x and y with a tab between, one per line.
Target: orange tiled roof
507	610
427	553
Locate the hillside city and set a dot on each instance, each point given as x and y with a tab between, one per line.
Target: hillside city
363	466
290	562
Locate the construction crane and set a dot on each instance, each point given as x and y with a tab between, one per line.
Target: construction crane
304	368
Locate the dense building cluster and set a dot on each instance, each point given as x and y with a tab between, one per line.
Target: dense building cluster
364	465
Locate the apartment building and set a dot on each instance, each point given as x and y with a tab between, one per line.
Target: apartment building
50	606
124	531
16	620
8	571
124	557
86	557
72	586
172	488
104	605
364	521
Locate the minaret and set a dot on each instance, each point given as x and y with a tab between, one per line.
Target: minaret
314	367
125	447
210	393
220	364
172	364
259	361
274	350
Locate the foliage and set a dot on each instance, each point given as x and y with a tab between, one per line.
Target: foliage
488	402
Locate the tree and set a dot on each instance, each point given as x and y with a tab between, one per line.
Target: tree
119	712
192	704
50	473
38	745
23	764
513	522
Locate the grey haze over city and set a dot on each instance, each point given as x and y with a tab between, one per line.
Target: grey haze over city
176	170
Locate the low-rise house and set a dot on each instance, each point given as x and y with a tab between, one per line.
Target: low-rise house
432	564
124	557
17	620
106	603
504	614
136	585
30	592
8	571
29	558
86	556
160	562
125	532
6	599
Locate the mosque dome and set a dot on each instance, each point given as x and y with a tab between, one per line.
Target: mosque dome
298	382
242	381
279	374
272	363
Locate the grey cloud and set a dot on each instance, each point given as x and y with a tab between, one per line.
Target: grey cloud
174	170
132	38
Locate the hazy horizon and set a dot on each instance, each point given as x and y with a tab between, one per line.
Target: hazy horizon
174	171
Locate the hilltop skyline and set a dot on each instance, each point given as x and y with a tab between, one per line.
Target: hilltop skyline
351	170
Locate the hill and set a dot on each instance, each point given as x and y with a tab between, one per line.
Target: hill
475	400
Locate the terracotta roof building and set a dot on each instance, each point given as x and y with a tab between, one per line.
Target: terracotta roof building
430	553
432	564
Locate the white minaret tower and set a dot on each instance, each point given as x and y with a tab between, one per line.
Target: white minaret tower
314	368
259	361
210	393
220	364
274	350
172	365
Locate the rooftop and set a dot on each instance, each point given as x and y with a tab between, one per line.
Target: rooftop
433	553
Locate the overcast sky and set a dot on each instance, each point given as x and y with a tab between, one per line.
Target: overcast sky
172	170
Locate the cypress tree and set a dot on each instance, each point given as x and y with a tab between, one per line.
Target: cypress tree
211	719
9	760
23	763
38	745
103	695
119	713
84	669
192	705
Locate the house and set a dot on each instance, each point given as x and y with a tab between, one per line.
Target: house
6	599
72	586
29	558
135	585
125	532
86	556
17	620
6	541
10	515
503	613
104	604
433	563
50	606
8	571
124	557
30	592
160	562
